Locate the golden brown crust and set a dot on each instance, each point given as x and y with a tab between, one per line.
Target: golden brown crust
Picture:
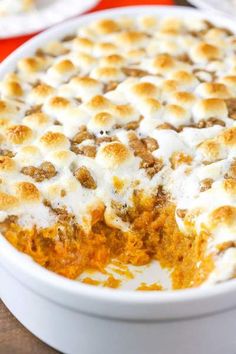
99	103
13	89
38	119
115	153
179	158
107	26
53	140
30	65
7	201
213	104
19	134
59	102
27	192
229	185
208	51
102	118
130	37
7	164
64	66
42	90
145	89
163	62
210	149
228	137
224	215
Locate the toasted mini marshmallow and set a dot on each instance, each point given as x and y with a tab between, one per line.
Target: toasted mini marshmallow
27	192
98	104
83	44
101	122
134	55
150	108
148	22
105	26
8	110
170	47
125	113
125	22
57	106
211	150
61	158
142	90
182	98
84	61
37	121
55	48
130	39
116	96
19	134
29	155
229	186
171	25
213	90
165	151
105	48
52	141
7	165
8	202
224	215
13	76
113	155
85	87
187	81
5	123
230	83
11	89
186	42
163	64
107	74
228	138
60	72
209	108
168	88
204	52
31	65
215	34
71	120
176	115
113	60
87	32
40	93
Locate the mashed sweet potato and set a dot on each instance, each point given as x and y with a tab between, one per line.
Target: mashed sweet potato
67	250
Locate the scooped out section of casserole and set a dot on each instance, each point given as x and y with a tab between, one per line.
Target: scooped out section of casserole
117	146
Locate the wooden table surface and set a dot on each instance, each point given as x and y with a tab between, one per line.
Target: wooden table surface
15	338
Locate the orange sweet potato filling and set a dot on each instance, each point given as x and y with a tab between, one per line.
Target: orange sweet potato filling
150	287
67	250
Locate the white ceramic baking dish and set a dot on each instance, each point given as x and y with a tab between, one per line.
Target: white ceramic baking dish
78	318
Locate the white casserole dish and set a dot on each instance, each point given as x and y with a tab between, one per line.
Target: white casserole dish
78	318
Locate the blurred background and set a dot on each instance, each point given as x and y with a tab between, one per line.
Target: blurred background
22	19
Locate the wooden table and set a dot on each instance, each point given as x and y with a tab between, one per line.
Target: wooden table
15	338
